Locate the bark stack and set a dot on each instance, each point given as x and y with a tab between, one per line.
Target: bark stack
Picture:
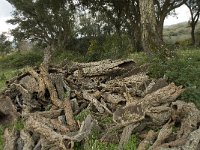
63	105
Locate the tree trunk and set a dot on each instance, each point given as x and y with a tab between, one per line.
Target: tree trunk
160	27
193	33
152	43
135	39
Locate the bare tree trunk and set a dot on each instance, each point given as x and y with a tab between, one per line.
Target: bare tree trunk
152	43
193	34
160	27
195	14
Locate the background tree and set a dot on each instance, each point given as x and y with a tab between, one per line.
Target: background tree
194	7
49	21
164	8
5	44
53	22
123	15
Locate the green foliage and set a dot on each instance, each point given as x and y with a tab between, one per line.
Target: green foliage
11	64
6	75
82	115
70	56
93	143
19	60
184	43
106	120
192	94
95	51
140	58
180	34
182	70
48	21
18	125
117	46
5	45
132	143
111	47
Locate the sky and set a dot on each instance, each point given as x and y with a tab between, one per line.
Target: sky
5	14
6	9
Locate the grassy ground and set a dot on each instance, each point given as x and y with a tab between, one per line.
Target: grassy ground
12	64
179	33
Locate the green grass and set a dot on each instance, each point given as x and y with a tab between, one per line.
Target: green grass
82	115
93	143
179	32
11	65
140	58
7	74
132	143
18	60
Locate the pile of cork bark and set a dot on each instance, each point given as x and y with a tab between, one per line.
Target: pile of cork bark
49	98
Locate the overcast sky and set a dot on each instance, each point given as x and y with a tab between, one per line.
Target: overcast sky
6	9
5	14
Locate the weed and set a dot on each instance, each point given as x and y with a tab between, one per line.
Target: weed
131	144
183	70
82	115
93	143
6	74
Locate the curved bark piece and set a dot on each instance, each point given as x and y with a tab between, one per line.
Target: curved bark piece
94	101
129	113
27	139
126	134
65	103
10	139
149	139
189	116
56	138
193	141
164	133
113	67
8	113
41	84
162	96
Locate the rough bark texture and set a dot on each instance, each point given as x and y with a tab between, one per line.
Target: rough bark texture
63	105
152	43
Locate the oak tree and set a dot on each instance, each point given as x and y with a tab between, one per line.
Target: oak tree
194	8
49	21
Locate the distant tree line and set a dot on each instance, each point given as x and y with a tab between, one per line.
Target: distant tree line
5	44
65	23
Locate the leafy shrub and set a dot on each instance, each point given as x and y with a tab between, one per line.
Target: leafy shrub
109	47
7	74
182	70
117	46
58	56
185	43
19	60
95	51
